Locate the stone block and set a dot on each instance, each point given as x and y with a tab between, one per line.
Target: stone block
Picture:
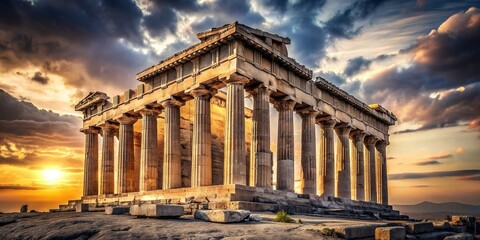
460	236
390	233
117	210
222	216
418	227
356	232
81	207
434	235
157	210
134	210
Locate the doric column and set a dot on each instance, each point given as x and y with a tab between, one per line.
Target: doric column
137	150
90	170
107	183
357	177
201	142
172	164
308	151
381	172
327	158
148	151
126	158
369	167
260	154
285	146
235	167
342	166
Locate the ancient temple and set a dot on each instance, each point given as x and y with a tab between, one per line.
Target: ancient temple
185	132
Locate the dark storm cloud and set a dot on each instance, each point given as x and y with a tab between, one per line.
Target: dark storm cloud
357	65
52	32
458	173
309	37
441	88
163	17
426	163
40	78
342	25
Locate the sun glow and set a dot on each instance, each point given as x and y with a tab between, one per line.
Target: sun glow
51	175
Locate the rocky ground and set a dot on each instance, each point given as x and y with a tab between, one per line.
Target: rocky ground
97	225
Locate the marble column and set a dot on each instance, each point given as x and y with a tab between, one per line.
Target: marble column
381	172
357	172
148	151
172	163
90	170
285	146
308	153
137	150
126	158
342	166
260	154
201	139
327	158
235	167
369	167
107	183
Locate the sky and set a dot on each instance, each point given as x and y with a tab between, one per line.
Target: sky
419	59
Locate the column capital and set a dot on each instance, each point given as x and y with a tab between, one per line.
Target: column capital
236	78
357	135
284	104
92	130
343	128
371	140
149	112
381	144
327	122
307	112
126	119
172	101
108	125
255	89
201	91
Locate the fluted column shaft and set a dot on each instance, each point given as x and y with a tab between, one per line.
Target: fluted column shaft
285	146
148	151
107	167
126	158
308	152
201	142
235	167
90	171
327	160
357	168
172	165
370	174
342	166
381	173
260	154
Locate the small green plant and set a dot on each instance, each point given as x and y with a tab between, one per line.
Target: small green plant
283	216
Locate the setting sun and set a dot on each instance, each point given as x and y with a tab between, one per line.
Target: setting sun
51	175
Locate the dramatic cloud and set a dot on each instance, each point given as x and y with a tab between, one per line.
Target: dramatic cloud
29	135
425	163
357	65
441	87
459	173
